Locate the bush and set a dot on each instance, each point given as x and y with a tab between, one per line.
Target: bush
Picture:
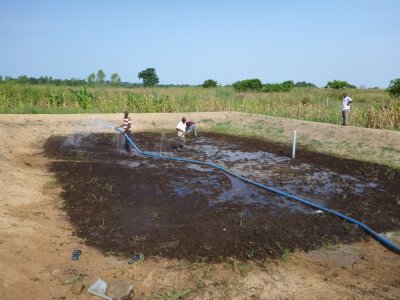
253	85
285	86
305	84
339	85
210	83
394	88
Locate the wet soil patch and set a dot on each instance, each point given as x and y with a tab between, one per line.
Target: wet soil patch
126	203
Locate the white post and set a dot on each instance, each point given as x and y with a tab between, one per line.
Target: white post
294	144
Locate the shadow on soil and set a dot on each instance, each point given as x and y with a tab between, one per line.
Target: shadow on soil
125	203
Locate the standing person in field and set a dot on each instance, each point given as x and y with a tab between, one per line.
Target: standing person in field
346	109
181	129
126	125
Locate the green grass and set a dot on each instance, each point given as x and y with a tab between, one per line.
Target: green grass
330	245
286	256
372	108
174	293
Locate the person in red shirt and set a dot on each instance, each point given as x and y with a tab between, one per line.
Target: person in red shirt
191	128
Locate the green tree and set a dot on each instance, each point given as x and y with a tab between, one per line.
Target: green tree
149	77
91	79
248	85
339	85
305	84
1	78
115	79
210	83
23	79
394	88
287	85
101	76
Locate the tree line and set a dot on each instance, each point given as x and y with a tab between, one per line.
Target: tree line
150	78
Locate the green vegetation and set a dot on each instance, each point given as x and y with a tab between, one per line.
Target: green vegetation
394	89
210	83
286	256
253	85
115	80
101	76
174	293
149	77
305	84
91	79
285	86
371	108
329	244
339	85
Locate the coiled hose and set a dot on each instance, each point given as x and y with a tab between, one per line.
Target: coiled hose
388	244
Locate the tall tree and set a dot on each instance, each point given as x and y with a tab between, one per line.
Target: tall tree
101	76
23	79
149	77
115	79
91	79
210	83
394	88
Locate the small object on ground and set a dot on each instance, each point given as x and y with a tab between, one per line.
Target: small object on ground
99	288
120	290
317	212
136	258
76	253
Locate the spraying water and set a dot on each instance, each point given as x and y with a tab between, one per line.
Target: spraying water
83	129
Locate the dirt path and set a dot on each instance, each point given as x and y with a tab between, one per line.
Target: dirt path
36	238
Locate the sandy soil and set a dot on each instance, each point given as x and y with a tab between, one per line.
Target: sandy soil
37	241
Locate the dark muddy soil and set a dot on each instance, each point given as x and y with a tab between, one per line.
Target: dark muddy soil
124	204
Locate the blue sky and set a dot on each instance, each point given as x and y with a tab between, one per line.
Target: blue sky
188	42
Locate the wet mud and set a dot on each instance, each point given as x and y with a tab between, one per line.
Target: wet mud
126	203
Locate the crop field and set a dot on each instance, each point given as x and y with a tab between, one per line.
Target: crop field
371	108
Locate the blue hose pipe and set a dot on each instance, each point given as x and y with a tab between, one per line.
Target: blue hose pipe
387	243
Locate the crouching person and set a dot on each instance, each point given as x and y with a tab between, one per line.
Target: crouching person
191	128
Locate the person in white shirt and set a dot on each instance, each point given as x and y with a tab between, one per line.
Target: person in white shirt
181	129
346	109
